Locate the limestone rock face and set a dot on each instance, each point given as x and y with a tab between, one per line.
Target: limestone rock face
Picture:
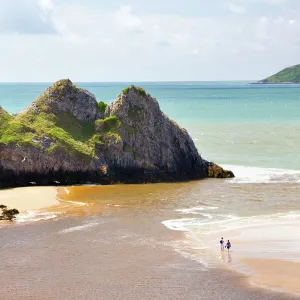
151	141
64	137
64	96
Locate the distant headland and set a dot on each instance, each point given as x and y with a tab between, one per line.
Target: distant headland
290	75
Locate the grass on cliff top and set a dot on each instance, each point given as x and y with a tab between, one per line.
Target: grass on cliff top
140	90
67	133
290	74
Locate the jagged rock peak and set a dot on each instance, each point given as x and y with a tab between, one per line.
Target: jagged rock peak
152	141
64	96
132	103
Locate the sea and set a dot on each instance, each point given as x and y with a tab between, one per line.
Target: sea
253	130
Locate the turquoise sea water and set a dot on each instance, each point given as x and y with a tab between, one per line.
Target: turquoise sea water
231	123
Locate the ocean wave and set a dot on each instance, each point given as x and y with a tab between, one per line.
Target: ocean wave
211	220
263	175
222	222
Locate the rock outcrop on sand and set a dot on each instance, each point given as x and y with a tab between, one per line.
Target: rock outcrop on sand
66	137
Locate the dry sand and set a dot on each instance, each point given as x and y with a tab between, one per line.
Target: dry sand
29	198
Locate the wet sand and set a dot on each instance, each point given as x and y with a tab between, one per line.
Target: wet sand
274	273
114	248
119	257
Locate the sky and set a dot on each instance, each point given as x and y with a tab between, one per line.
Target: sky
137	40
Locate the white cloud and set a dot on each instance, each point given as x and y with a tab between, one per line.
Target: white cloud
27	17
124	43
47	5
126	18
237	9
264	20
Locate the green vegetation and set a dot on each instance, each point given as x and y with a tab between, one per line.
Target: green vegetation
106	130
288	75
54	131
102	106
8	214
107	125
126	91
62	131
4	118
140	90
65	131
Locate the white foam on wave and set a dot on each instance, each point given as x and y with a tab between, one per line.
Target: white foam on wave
75	203
263	175
196	210
79	228
179	224
188	224
35	216
222	223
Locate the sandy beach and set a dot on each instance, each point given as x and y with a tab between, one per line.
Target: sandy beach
109	242
274	273
29	198
124	255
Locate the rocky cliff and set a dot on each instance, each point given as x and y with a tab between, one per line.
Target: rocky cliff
66	137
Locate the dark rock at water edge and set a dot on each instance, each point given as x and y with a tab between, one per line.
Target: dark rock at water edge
66	137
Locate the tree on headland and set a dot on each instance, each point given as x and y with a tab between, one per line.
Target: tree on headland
8	214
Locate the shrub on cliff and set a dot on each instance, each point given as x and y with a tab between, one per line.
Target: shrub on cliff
8	214
106	125
102	106
140	90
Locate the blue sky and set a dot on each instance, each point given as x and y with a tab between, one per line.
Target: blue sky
158	40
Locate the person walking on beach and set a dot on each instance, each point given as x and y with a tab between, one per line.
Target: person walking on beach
228	245
222	244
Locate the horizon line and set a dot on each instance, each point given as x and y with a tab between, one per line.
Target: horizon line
132	81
